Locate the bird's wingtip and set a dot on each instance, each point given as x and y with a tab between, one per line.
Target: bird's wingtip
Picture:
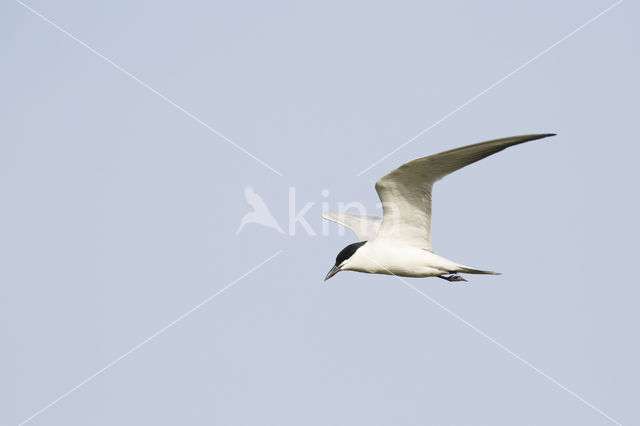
536	136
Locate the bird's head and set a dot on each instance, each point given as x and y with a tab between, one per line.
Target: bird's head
342	260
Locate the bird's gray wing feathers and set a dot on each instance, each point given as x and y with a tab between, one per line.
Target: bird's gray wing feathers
406	191
365	226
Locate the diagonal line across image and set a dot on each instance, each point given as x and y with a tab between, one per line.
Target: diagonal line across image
147	86
148	339
472	99
500	345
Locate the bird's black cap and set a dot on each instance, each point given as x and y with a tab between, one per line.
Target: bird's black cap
344	254
348	251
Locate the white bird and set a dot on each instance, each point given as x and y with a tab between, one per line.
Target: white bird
401	245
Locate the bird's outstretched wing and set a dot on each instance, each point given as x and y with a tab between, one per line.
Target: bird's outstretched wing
365	226
406	191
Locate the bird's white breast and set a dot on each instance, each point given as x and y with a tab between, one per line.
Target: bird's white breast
381	258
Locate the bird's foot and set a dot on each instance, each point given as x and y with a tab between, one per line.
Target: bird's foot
452	278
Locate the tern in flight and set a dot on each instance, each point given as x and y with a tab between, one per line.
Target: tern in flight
401	244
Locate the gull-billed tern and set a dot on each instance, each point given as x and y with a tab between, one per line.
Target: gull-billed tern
401	244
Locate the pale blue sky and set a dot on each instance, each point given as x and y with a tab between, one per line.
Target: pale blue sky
119	213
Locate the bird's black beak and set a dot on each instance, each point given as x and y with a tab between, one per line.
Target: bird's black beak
332	272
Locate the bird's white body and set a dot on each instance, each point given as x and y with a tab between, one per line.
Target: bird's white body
401	244
378	257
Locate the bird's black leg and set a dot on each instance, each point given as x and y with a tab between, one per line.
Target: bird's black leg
452	278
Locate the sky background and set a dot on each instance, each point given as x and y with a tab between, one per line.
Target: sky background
119	213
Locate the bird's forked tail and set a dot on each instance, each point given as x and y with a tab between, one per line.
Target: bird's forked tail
467	270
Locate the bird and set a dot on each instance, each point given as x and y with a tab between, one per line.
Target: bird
401	244
260	213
